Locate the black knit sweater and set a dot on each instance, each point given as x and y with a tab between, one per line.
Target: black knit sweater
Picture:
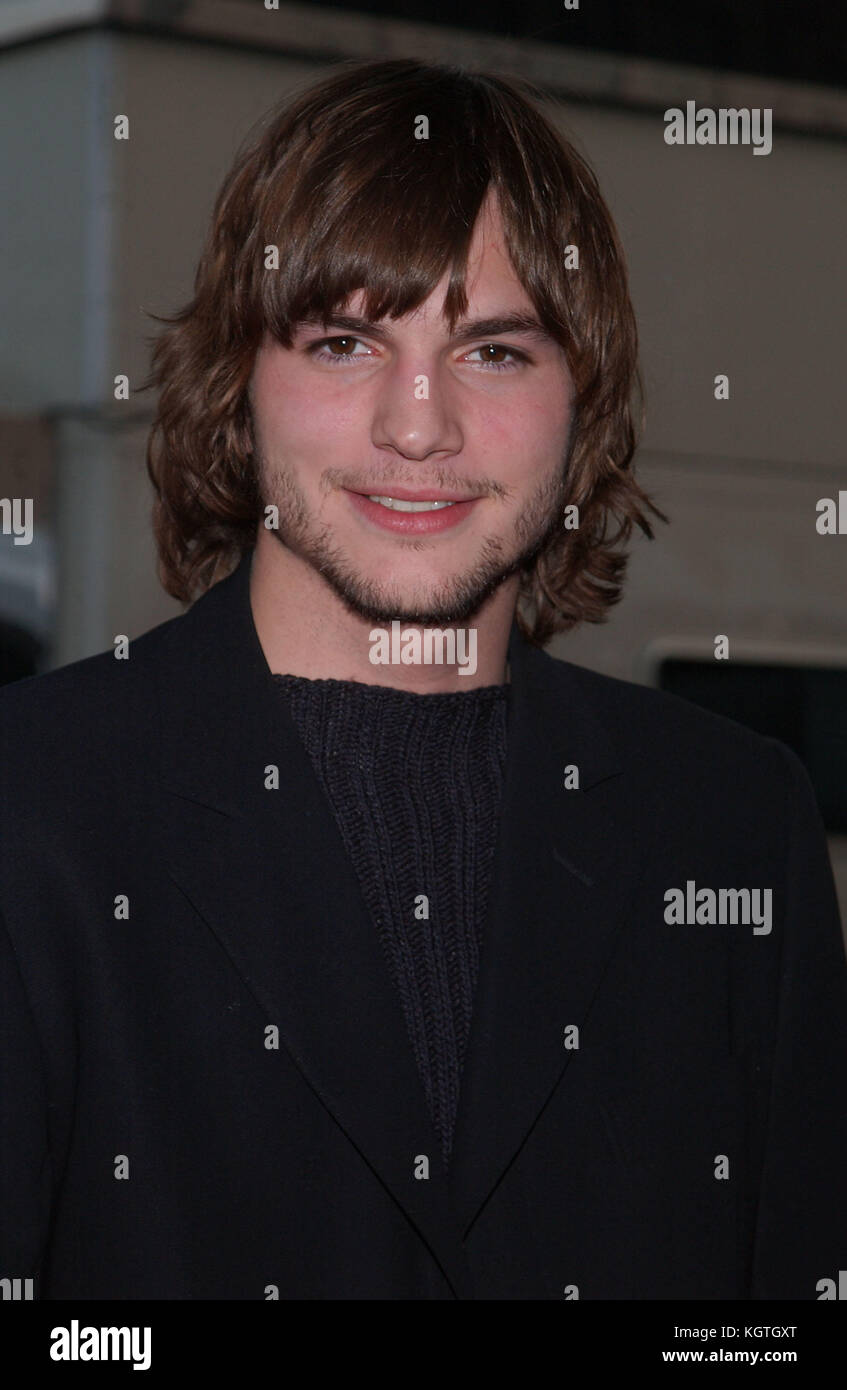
415	782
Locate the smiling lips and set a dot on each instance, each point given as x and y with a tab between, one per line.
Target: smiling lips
410	513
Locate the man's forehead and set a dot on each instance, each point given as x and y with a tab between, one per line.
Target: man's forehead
497	302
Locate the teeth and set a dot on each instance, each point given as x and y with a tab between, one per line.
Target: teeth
397	505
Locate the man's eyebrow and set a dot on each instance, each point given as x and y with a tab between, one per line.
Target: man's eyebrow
526	325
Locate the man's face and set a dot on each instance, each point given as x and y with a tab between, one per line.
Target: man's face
399	410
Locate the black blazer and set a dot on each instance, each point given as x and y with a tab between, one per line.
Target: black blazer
693	1144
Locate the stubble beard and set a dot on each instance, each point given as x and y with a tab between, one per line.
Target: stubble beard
455	599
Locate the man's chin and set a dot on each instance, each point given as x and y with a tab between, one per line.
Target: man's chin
415	594
418	612
425	605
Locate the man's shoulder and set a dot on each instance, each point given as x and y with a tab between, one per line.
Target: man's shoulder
670	738
99	701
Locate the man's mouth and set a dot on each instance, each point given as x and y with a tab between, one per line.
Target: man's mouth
412	513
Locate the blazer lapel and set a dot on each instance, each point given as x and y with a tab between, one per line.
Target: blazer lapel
564	872
268	872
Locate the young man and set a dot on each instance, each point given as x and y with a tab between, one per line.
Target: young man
353	946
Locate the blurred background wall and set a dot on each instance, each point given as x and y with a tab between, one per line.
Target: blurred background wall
736	264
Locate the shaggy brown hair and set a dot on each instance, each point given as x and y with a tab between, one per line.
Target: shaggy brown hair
337	181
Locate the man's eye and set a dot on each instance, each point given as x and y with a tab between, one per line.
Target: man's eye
322	354
487	361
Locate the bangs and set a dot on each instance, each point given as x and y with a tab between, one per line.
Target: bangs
358	203
393	244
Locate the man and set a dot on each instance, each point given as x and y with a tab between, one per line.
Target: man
342	966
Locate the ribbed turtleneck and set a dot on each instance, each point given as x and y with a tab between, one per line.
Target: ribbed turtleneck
415	783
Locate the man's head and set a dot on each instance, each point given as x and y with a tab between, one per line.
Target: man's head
408	203
408	408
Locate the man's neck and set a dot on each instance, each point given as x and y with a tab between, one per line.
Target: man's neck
306	629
